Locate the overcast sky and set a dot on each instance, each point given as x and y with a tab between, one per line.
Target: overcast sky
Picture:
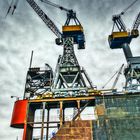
25	31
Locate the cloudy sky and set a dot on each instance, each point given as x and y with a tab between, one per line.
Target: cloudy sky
25	31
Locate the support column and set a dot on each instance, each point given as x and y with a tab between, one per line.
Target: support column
24	132
48	118
28	128
43	115
78	108
127	51
61	113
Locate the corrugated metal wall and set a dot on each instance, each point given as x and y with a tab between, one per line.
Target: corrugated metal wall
121	119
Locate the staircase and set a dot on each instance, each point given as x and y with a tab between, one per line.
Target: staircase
75	130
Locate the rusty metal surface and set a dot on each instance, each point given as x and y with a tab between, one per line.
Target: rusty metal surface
121	120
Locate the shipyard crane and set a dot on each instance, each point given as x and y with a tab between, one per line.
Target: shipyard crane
122	36
75	31
69	79
122	39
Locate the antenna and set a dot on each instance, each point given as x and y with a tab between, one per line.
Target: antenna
31	58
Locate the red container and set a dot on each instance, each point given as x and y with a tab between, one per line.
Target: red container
19	114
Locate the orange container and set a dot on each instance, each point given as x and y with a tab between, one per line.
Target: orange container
19	114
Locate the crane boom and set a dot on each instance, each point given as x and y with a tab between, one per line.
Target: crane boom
137	22
45	18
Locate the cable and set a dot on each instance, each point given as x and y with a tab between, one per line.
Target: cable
55	5
116	73
123	12
50	3
110	79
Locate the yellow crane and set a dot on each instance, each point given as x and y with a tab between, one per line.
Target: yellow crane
121	39
118	38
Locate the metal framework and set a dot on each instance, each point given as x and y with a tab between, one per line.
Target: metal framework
38	81
45	107
136	22
119	23
70	79
132	71
132	74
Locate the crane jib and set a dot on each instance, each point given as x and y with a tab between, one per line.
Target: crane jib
45	18
137	22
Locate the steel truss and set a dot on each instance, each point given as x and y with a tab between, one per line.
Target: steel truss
38	81
132	74
70	79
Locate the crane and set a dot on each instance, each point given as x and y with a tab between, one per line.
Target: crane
121	39
69	78
122	36
75	31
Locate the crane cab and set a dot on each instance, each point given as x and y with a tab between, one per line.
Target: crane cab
117	39
75	31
